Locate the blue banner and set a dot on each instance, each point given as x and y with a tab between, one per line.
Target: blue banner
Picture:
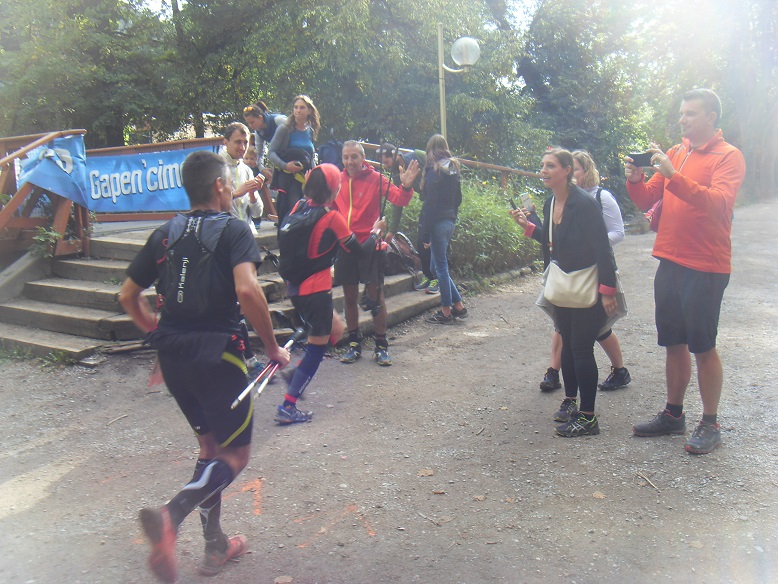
59	168
137	182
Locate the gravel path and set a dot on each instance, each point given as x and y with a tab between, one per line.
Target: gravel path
440	469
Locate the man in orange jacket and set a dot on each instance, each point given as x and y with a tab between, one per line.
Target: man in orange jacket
359	200
697	182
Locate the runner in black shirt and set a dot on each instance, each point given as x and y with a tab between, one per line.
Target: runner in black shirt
201	361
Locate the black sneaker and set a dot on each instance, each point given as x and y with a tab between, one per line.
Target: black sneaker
567	411
354	352
459	313
579	426
440	318
619	377
550	380
291	415
704	439
662	424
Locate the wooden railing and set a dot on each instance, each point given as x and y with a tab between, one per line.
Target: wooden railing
505	172
17	225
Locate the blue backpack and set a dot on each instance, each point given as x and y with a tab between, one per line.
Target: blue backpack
331	151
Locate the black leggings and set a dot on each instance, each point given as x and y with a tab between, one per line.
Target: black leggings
579	328
286	199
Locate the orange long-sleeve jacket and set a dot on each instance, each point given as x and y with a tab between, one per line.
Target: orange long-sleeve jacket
698	202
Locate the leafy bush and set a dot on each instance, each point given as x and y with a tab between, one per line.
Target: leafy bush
486	240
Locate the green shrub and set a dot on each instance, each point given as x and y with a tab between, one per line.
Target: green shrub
486	240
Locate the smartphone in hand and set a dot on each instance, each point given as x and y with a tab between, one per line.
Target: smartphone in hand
641	159
512	201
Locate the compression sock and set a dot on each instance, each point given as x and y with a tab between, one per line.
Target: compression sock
304	373
215	476
380	341
675	411
710	418
353	336
210	513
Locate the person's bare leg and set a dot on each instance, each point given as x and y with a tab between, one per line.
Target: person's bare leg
351	303
678	373
556	351
379	320
612	349
710	376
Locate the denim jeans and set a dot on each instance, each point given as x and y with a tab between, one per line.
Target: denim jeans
440	236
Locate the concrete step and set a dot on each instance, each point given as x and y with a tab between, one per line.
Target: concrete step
402	302
41	343
125	245
115	247
96	270
84	293
75	320
103	296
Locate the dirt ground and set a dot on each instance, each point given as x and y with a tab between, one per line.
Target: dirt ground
443	468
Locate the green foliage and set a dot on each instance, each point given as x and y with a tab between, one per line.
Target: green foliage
580	73
486	240
58	359
45	239
13	352
732	48
94	69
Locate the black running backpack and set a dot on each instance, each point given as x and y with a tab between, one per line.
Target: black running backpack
188	281
293	239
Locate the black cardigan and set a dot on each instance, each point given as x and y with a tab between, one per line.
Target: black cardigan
580	240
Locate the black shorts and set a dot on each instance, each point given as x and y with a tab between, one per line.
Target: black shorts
205	393
351	268
316	311
688	303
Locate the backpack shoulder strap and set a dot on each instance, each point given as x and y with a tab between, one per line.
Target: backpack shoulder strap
177	227
598	197
209	237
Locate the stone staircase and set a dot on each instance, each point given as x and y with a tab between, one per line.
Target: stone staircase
74	312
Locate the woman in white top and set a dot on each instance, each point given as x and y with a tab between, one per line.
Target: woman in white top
588	178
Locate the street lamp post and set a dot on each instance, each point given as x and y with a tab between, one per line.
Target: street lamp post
465	52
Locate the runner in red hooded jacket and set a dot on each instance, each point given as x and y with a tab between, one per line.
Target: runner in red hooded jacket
362	189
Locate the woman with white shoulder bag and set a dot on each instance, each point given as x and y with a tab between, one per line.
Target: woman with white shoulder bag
580	283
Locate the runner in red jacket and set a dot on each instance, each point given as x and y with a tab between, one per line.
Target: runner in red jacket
697	182
359	200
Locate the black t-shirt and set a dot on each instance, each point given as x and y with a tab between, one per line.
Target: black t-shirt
236	246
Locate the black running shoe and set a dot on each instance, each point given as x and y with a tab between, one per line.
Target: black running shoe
550	380
291	415
579	426
662	424
440	318
618	378
459	313
567	411
705	438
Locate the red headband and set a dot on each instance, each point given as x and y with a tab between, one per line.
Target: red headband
331	175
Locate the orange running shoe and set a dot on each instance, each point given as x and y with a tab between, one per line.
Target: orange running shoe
214	561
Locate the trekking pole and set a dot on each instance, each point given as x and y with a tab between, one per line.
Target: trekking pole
268	372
